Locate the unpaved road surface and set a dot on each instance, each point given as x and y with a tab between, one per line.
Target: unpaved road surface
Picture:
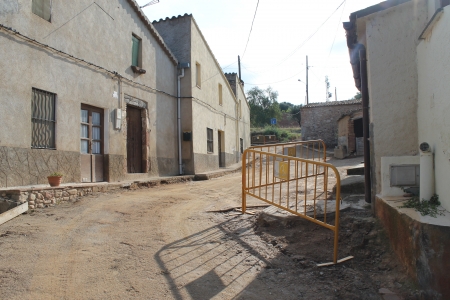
163	243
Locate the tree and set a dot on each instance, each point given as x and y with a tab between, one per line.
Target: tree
357	96
263	106
327	86
285	106
295	112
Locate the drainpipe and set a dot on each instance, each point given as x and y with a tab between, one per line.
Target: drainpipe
180	160
365	105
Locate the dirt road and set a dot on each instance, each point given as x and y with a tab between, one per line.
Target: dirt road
162	243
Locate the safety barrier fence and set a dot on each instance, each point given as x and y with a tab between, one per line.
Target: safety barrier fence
314	149
300	186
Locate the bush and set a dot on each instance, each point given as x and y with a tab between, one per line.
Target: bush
282	135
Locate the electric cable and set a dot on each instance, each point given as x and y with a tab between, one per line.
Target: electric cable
251	27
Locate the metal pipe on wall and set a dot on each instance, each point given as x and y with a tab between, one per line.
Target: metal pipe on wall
180	161
365	105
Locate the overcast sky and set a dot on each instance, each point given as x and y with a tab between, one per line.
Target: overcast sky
278	45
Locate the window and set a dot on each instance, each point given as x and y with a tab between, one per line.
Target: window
135	51
220	94
42	8
242	145
43	119
198	73
210	140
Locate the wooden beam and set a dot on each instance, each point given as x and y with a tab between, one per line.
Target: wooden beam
14	212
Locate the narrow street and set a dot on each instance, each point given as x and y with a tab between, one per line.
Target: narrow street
164	243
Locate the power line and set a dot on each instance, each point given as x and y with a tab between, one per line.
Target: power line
251	27
335	34
305	41
275	81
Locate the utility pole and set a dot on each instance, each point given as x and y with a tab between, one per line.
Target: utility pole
307	67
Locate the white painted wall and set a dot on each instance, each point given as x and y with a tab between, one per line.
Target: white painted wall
391	38
386	162
433	114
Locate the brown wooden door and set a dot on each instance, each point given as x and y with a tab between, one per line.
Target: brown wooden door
92	137
134	140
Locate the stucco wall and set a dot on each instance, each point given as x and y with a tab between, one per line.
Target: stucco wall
182	34
102	38
433	62
391	39
319	120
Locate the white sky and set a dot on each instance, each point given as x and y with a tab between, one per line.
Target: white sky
277	50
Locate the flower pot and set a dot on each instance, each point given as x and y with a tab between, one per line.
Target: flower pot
54	180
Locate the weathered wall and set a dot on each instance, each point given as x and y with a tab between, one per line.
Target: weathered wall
391	38
433	63
182	35
100	37
320	120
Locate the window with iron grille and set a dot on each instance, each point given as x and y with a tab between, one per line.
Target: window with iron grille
42	8
43	119
210	140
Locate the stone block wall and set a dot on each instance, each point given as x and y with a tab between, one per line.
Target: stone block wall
21	166
320	120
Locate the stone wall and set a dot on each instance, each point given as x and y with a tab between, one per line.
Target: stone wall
20	166
319	120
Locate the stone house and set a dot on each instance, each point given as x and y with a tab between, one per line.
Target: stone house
320	120
95	87
405	46
215	103
350	133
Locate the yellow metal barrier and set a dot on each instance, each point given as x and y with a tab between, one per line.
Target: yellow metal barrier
297	185
313	149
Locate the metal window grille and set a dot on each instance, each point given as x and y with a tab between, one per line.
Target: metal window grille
43	119
210	140
42	8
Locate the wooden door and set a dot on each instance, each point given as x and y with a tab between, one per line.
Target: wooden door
92	137
134	140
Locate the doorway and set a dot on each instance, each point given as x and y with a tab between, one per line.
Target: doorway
220	144
92	138
134	140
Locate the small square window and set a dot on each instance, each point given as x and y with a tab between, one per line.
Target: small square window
135	51
210	140
198	73
42	8
43	119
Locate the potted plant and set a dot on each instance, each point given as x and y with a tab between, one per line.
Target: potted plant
54	179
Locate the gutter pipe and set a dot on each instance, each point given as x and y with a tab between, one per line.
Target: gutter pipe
180	160
365	105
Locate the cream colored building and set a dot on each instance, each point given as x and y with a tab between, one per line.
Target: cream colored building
89	89
408	60
214	106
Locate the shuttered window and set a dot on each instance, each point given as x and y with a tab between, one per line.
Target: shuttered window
210	140
42	8
43	119
136	45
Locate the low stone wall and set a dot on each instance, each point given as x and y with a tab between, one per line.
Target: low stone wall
422	248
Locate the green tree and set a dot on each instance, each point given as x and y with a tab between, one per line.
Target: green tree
357	96
295	112
285	106
263	106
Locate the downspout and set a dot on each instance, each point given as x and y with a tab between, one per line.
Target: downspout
180	160
365	105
